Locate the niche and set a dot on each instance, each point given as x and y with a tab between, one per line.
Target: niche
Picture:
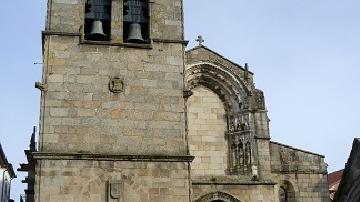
97	20
136	21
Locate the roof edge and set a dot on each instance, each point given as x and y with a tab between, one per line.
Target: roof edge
297	149
8	166
220	55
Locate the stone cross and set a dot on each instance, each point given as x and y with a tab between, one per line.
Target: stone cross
200	40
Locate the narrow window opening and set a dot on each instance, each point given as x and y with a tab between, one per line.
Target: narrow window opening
283	195
286	192
97	20
136	21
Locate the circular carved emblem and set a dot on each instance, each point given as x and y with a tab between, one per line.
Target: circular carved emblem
116	85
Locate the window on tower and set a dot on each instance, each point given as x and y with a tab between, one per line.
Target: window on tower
97	20
136	21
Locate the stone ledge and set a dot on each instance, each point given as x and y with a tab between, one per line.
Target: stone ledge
299	172
82	41
171	41
109	43
246	132
49	33
130	45
232	182
110	157
261	138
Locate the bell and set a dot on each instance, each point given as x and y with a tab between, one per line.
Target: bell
135	33
97	31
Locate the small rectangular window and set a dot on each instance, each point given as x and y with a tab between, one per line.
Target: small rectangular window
136	21
97	20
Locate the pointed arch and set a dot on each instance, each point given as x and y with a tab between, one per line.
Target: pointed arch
236	95
229	86
287	191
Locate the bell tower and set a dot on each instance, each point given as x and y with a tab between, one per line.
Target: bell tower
112	124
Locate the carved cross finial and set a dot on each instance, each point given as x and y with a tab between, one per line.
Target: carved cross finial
200	40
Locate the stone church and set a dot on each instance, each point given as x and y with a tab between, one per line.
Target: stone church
127	114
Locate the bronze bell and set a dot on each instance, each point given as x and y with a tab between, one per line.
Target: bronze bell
135	34
97	30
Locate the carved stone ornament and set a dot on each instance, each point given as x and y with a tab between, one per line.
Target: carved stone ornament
41	86
115	189
285	156
116	85
239	126
289	160
187	93
259	100
232	127
239	154
217	196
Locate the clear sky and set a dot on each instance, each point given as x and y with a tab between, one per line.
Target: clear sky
305	55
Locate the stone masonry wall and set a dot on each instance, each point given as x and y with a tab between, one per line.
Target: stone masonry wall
304	170
86	181
287	159
308	187
244	193
81	114
263	152
166	18
206	119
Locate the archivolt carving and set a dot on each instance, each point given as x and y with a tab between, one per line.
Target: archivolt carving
217	196
223	82
221	72
237	98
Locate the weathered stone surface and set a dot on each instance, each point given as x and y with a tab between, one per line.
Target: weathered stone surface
303	171
80	181
133	144
206	133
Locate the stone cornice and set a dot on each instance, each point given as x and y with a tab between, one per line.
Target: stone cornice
171	41
310	172
78	34
111	157
231	182
45	33
261	138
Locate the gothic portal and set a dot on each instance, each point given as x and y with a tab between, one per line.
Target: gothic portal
128	115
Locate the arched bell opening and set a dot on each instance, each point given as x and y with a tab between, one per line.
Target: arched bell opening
136	21
97	25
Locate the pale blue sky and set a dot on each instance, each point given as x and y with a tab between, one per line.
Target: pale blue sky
305	55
